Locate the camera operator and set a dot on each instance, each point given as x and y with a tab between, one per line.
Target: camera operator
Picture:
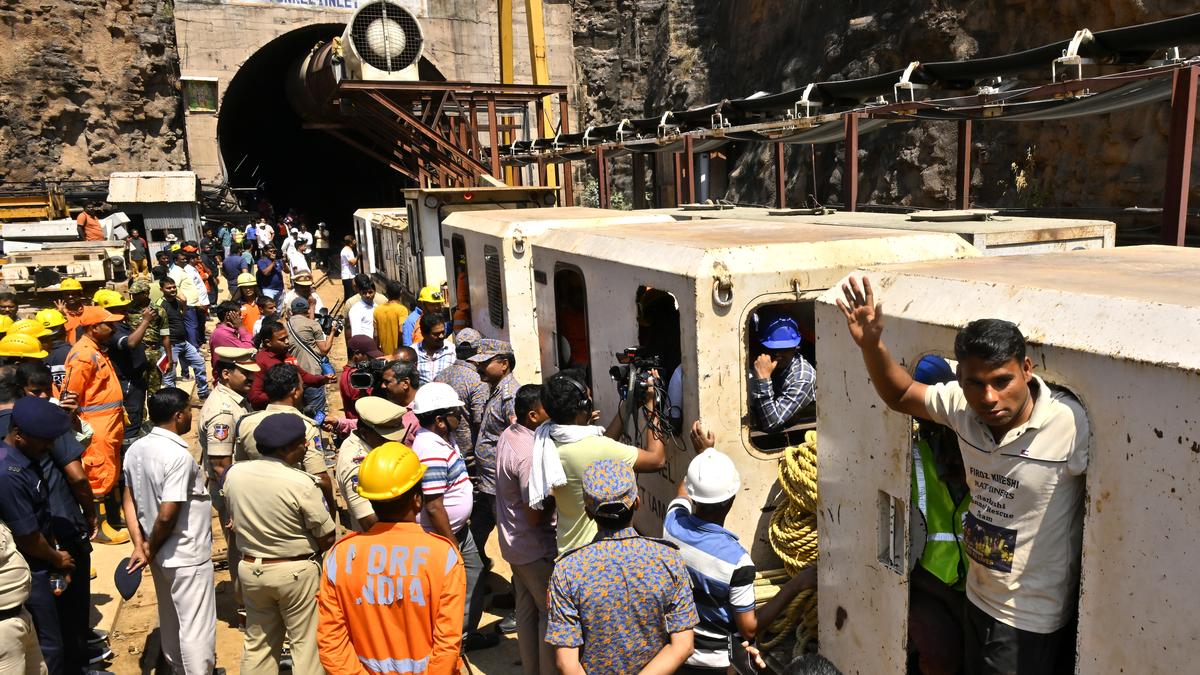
361	351
310	346
302	287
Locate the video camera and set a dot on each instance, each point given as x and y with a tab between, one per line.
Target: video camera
632	373
367	375
329	320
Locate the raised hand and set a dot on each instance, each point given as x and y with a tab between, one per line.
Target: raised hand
764	365
863	315
702	439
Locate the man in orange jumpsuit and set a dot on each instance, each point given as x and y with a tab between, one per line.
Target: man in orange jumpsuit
71	305
91	377
396	593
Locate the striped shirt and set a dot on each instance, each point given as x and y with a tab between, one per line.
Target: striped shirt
777	401
445	476
429	366
722	580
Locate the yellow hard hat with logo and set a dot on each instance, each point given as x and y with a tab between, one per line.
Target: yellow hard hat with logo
22	345
31	327
51	318
389	471
430	294
70	284
6	322
246	279
106	298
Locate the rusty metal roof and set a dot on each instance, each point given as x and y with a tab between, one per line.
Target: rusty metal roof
143	187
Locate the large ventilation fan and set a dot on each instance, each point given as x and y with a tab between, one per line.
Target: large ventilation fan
382	42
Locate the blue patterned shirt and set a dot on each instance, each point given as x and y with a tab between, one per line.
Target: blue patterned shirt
498	414
619	598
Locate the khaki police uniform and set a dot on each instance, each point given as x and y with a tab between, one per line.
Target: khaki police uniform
19	652
384	418
279	515
218	419
246	449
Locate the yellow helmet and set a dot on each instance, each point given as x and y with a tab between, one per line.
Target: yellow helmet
31	327
106	298
51	318
6	322
246	279
70	284
389	471
430	294
22	345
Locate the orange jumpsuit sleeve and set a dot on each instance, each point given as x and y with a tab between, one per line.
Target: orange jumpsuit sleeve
81	369
333	633
448	618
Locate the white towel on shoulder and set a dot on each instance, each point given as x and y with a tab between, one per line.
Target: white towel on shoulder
546	472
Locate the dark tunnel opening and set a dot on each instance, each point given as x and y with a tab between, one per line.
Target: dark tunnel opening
264	145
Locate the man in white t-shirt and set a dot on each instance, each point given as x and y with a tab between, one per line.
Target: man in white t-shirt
349	258
1024	445
298	260
361	317
169	512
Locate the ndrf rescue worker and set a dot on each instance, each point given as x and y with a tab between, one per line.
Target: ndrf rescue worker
282	526
395	594
90	375
227	404
1025	449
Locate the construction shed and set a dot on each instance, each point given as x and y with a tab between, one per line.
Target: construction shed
158	203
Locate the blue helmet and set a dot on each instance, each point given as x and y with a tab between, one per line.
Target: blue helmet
933	370
780	332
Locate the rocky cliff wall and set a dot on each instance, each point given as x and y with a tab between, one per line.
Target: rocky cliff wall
88	87
638	57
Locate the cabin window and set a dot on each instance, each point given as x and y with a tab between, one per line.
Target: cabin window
658	337
377	248
780	339
461	307
495	292
571	320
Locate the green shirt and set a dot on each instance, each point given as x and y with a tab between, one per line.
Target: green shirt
575	528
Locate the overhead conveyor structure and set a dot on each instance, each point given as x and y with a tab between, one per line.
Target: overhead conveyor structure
1124	68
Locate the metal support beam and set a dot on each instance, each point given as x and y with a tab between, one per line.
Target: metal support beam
494	138
962	183
601	178
780	177
1179	156
474	130
850	176
542	171
445	145
678	179
395	166
567	182
690	160
639	180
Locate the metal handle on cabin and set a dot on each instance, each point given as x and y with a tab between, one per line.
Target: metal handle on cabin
518	245
722	293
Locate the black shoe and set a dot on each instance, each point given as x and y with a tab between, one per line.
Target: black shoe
475	641
504	601
508	625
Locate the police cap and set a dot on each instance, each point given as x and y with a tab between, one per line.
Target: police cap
39	418
279	431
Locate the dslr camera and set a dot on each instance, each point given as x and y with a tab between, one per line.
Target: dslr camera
329	323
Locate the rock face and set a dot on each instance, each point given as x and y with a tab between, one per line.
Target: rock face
88	87
640	57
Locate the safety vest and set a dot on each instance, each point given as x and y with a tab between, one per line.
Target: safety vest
945	555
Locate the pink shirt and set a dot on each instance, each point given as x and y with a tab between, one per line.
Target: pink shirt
520	542
224	336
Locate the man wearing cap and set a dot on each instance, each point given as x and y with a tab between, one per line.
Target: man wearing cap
310	347
430	300
270	273
377	621
448	494
92	378
495	362
302	285
781	380
233	369
170	516
297	257
247	297
129	356
229	331
622	603
71	306
25	508
282	527
463	377
360	351
175	340
18	348
275	347
390	317
152	338
282	386
379	421
721	570
435	352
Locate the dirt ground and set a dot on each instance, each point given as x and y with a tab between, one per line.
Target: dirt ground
134	636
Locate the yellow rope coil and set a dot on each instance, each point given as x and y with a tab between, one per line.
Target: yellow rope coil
793	535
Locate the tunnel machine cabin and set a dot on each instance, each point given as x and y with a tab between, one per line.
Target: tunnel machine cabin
490	272
693	294
992	235
1116	328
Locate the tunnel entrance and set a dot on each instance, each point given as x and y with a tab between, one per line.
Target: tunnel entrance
268	154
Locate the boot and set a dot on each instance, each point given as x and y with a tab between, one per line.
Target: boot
109	534
112	504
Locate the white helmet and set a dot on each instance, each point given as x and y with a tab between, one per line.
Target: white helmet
435	396
712	478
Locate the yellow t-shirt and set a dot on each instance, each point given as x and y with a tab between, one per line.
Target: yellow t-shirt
389	318
575	528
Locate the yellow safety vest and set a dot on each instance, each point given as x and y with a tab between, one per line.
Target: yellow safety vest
945	556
